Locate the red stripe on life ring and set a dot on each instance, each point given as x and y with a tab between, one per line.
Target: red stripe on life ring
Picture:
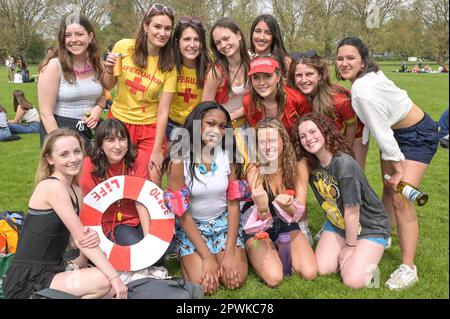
90	216
162	228
120	257
133	187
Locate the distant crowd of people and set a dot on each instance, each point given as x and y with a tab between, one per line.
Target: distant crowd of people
18	70
419	68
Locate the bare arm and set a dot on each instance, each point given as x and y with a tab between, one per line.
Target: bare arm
163	114
48	87
108	79
143	217
19	115
212	83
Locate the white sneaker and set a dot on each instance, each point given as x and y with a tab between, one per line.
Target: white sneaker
305	230
403	277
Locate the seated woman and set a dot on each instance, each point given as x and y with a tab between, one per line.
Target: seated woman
208	234
357	228
125	222
52	219
277	172
27	118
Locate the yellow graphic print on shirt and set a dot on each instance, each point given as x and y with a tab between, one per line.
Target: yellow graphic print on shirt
327	187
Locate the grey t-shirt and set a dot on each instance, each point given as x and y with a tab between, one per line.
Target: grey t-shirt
343	184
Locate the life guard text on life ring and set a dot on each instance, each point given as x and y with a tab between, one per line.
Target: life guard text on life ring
150	249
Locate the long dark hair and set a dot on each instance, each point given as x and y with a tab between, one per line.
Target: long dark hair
202	61
221	60
369	64
20	99
65	57
165	61
197	114
334	140
109	128
277	48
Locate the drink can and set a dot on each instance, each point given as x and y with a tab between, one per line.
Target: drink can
118	65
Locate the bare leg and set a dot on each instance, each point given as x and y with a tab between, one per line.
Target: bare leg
358	270
360	151
266	261
327	251
303	259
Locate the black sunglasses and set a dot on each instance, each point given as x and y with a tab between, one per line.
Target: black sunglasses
196	20
306	54
160	8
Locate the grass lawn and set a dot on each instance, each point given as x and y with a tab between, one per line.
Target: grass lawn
18	162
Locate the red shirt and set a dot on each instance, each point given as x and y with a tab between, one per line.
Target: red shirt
126	207
296	106
343	110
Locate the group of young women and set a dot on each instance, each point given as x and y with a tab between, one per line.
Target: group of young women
308	130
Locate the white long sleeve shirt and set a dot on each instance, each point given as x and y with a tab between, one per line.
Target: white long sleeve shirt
380	104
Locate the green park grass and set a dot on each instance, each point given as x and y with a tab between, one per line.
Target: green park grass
18	163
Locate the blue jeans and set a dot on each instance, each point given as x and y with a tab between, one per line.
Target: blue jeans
125	235
24	128
5	133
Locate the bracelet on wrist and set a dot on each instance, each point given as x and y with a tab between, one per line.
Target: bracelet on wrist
109	72
351	246
102	107
113	277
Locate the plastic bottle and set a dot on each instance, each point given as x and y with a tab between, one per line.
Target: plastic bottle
284	250
410	192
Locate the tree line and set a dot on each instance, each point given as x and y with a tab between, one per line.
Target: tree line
403	27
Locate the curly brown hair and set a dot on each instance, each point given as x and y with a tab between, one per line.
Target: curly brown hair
334	140
289	162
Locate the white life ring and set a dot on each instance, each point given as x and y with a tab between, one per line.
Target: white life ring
153	246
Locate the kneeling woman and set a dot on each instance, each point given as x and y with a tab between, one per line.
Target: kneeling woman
125	222
52	219
357	228
273	180
209	236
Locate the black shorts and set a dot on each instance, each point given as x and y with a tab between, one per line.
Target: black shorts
24	278
419	142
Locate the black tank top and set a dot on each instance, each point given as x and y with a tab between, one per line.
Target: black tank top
44	237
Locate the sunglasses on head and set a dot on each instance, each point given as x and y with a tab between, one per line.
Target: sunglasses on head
160	8
306	54
196	20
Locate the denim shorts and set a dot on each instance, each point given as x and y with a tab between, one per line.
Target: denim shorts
328	226
419	142
214	233
170	126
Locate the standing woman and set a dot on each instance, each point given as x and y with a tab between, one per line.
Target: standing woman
357	228
27	117
146	84
69	88
52	220
407	138
309	74
191	61
226	81
267	41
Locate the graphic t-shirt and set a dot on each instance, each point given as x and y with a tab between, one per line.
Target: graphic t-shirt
138	90
187	97
343	184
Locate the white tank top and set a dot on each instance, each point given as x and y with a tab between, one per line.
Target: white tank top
236	98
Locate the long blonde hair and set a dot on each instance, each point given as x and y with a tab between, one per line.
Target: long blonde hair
44	169
289	164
